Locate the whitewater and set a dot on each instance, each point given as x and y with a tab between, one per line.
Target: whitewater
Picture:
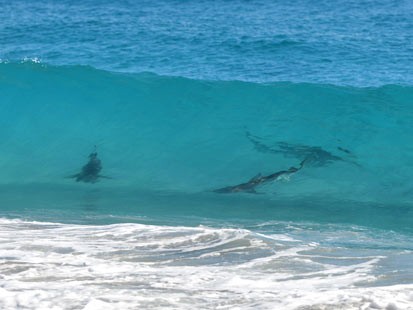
179	99
132	265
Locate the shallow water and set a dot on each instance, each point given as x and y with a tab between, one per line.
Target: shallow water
135	265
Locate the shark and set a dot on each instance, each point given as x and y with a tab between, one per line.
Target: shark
250	186
90	173
316	156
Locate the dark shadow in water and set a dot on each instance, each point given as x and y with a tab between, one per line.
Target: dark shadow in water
315	155
251	185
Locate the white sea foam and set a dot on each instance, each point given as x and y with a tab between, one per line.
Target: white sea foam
35	60
131	266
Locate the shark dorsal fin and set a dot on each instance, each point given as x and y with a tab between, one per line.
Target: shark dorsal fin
259	175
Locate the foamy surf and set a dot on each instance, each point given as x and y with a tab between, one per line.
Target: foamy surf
130	266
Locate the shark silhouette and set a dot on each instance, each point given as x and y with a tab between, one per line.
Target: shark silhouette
316	155
249	187
90	172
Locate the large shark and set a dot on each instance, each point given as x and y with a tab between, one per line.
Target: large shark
316	156
90	172
249	187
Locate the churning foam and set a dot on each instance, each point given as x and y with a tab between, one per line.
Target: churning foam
130	266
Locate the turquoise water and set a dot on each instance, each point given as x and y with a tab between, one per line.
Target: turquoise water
183	138
184	97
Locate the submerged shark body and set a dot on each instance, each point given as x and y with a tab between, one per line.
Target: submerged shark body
316	155
249	187
90	171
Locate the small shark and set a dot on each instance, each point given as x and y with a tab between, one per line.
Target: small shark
249	187
90	171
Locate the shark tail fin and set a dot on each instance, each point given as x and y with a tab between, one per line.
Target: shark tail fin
304	161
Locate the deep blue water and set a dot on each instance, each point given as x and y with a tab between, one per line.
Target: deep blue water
185	97
360	43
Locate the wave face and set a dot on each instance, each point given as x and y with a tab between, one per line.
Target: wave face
339	42
187	137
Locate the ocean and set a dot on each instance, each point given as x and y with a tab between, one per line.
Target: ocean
254	154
